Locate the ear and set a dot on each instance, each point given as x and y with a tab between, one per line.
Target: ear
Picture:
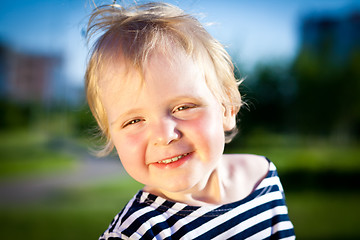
229	118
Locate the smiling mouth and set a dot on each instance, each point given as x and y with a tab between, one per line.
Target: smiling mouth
174	159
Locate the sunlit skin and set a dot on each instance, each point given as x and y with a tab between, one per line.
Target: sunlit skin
168	130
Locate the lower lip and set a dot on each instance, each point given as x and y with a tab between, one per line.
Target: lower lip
172	165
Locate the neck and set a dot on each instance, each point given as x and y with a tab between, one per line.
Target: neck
209	192
212	192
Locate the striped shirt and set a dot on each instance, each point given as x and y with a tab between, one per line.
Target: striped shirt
261	215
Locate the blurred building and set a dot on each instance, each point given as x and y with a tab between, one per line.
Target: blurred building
36	78
30	77
3	72
332	35
27	77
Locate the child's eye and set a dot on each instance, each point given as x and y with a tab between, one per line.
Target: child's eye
131	122
186	111
184	107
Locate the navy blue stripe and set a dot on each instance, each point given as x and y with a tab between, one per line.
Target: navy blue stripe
283	234
203	220
149	199
115	220
155	230
133	208
135	225
190	226
261	226
234	221
240	218
170	222
165	206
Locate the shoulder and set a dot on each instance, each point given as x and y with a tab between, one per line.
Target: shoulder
254	165
244	172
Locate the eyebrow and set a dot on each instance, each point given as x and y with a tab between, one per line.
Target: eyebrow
188	97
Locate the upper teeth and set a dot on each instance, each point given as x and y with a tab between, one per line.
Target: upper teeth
173	159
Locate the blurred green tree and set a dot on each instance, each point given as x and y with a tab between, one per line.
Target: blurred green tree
328	99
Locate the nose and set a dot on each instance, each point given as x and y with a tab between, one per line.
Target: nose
164	132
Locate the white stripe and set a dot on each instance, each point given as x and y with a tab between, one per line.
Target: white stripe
269	182
134	215
282	226
154	220
126	209
253	221
140	213
272	167
186	220
287	225
234	212
143	197
118	218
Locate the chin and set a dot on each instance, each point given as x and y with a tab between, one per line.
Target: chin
178	187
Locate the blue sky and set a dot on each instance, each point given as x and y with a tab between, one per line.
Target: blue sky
254	30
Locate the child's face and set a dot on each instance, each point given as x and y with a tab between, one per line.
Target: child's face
168	128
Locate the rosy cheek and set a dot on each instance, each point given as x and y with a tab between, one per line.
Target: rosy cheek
198	126
127	144
208	126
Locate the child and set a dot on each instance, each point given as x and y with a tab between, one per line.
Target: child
164	95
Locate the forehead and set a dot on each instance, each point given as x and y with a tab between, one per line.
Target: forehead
123	85
119	73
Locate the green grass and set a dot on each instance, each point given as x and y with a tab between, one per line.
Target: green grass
80	213
324	215
26	153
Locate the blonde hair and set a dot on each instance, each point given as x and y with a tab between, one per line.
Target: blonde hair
136	32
